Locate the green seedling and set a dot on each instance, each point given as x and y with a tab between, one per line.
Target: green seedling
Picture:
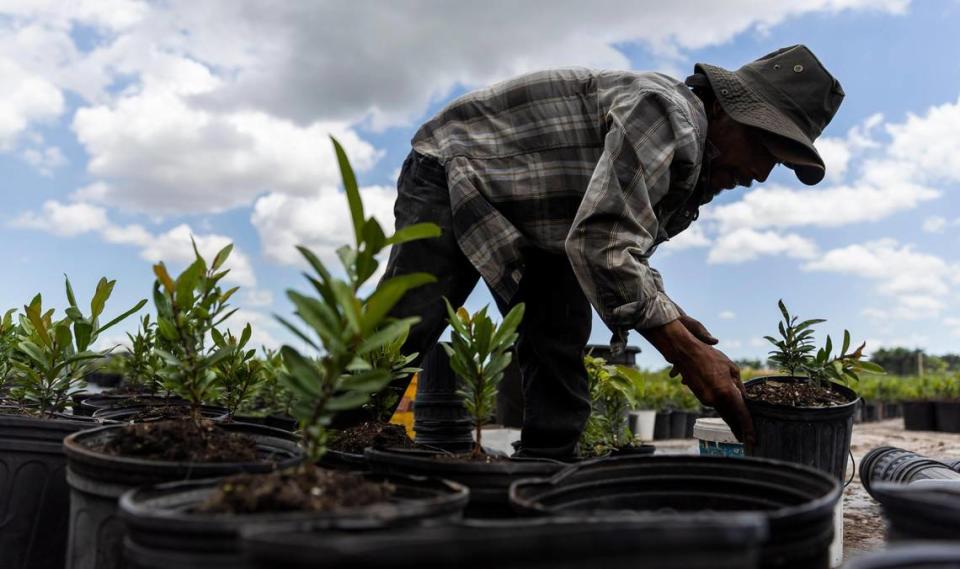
189	308
343	326
480	353
613	392
53	356
240	374
794	354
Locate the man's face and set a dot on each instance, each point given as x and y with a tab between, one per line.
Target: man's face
743	158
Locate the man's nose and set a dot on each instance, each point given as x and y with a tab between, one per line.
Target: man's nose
764	171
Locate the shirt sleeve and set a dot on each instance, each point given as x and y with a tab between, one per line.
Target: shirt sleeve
615	227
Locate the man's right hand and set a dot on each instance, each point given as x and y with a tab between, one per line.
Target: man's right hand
709	374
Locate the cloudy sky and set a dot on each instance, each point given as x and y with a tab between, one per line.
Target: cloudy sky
128	126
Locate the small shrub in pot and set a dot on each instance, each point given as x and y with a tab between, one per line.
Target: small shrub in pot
807	415
45	360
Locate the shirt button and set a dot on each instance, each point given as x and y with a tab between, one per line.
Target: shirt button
516	274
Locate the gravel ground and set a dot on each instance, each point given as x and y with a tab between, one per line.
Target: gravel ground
864	527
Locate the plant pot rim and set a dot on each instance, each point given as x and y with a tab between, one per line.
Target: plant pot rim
830	497
76	451
834	386
56	419
137	509
425	457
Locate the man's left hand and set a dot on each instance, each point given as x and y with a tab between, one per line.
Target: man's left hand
698	330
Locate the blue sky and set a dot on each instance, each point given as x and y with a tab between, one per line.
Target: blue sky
134	125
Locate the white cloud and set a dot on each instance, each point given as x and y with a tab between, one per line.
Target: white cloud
747	244
919	282
837	152
45	160
693	237
406	71
935	224
25	98
264	327
321	222
154	153
65	220
172	246
727	315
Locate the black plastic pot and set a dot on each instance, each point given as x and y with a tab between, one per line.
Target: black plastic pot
947	416
926	556
275	421
94	403
489	484
678	424
665	542
97	481
439	418
692	417
923	511
128	414
34	499
340	460
899	466
816	437
919	416
104	379
892	411
163	532
798	502
953	463
871	412
662	426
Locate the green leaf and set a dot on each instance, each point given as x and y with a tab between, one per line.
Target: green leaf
296	332
350	187
871	367
388	293
373	236
245	335
70	297
305	376
221	256
218	338
164	277
369	381
511	322
103	292
314	262
349	305
846	342
414	232
347	401
387	334
82	331
123	316
187	283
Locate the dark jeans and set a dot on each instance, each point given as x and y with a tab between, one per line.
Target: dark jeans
552	336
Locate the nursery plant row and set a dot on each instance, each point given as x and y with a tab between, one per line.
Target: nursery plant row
208	454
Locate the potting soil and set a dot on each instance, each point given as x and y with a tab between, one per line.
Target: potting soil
370	434
795	394
309	489
181	441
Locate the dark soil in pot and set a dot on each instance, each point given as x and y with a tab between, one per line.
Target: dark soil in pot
34	498
798	502
488	480
98	402
97	478
664	542
275	421
919	416
345	447
947	416
800	422
196	525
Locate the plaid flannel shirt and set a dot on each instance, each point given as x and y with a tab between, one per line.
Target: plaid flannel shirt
600	165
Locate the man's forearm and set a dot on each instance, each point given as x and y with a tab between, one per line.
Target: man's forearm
672	340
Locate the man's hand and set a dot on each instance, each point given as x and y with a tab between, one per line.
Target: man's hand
710	374
698	330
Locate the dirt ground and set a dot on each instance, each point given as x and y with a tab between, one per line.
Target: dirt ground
863	522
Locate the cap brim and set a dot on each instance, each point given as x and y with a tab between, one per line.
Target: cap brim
748	106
